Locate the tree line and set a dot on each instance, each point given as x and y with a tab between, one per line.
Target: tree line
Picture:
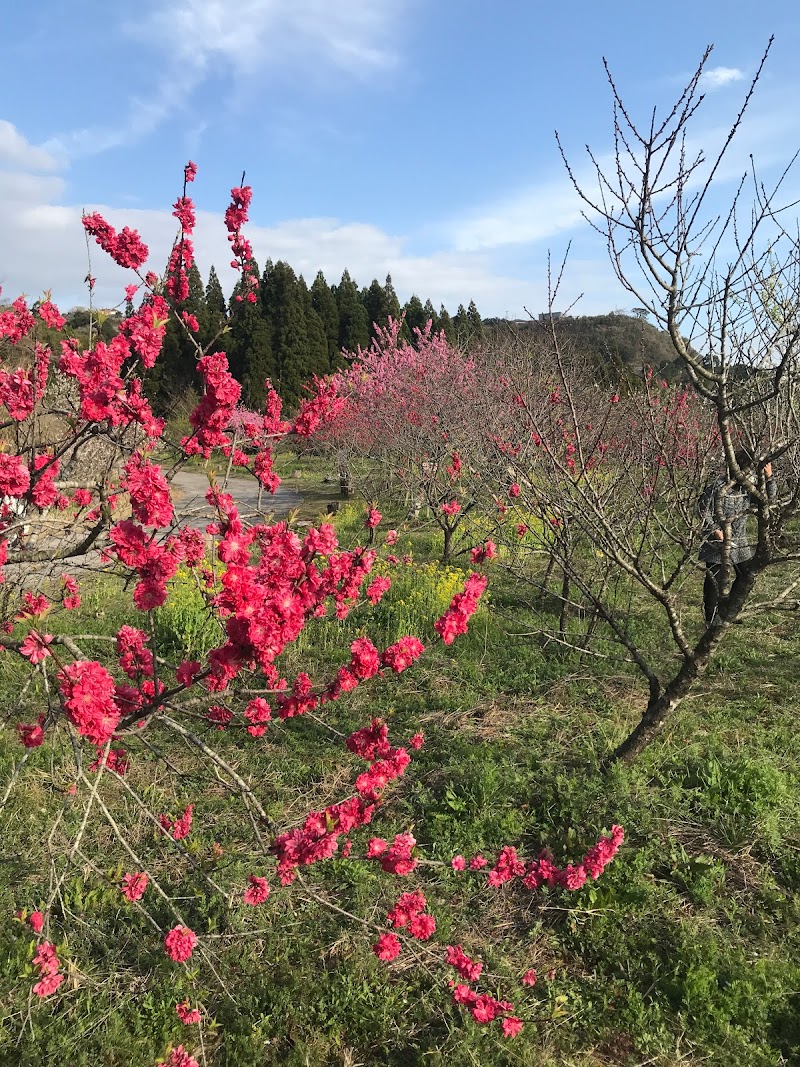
291	331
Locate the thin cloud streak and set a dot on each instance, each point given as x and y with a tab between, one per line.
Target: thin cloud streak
546	209
198	39
533	214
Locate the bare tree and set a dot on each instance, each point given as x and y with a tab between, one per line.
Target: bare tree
612	486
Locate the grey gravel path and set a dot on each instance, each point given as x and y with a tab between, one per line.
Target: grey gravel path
189	498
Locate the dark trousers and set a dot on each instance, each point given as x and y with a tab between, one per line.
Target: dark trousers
713	584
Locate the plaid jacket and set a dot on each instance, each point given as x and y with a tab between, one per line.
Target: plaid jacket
723	502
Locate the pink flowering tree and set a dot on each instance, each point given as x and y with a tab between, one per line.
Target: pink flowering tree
407	426
133	736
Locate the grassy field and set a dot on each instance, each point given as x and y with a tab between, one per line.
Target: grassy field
685	952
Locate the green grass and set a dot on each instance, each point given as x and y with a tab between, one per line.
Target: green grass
686	951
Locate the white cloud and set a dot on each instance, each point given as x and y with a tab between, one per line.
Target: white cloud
172	93
531	214
352	35
45	248
718	77
16	151
199	39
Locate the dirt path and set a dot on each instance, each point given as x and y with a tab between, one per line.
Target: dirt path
189	497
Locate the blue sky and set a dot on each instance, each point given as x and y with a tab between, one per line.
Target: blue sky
405	136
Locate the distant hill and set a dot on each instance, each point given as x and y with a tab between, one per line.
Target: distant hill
620	346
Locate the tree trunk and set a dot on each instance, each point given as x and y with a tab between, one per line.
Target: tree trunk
661	704
447	545
563	618
345	488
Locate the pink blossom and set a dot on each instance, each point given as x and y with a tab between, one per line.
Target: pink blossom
507	866
364	661
187	672
88	693
402	653
387	947
258	890
51	316
178	1057
483	552
35	604
134	886
422	926
511	1025
48	984
221	717
15	478
186	1013
470	970
407	906
134	658
126	247
398	859
180	827
116	761
455	467
462	607
151	502
257	713
31	735
572	877
47	963
179	943
71	597
377	588
322	408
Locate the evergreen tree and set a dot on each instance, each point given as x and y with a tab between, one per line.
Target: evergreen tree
175	370
324	303
216	315
474	323
317	361
461	327
285	310
430	315
392	303
446	324
415	316
353	325
268	268
250	346
376	303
